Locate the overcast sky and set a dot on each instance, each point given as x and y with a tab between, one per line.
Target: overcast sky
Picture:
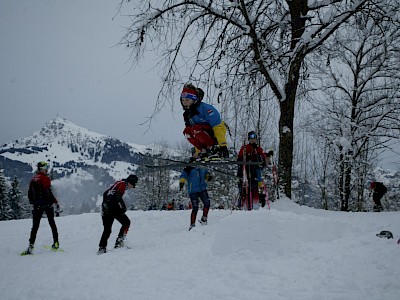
58	58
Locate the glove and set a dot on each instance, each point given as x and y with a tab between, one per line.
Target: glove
181	185
208	177
260	185
270	153
224	151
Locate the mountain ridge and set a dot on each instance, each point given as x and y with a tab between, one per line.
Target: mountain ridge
77	156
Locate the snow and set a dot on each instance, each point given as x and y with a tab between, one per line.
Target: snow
288	252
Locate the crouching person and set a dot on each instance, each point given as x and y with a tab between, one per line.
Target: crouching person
113	207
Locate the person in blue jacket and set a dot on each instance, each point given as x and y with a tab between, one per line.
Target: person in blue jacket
196	179
204	128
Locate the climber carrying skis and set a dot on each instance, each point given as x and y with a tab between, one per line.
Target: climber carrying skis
197	188
204	128
251	186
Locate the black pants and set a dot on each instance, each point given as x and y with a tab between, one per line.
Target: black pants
108	221
377	199
37	216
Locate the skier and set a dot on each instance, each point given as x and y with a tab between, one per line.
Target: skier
252	152
197	188
113	207
41	197
204	128
379	189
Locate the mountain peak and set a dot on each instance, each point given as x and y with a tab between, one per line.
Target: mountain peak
60	126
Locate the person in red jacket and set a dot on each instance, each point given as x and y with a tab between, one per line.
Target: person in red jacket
252	193
113	207
42	199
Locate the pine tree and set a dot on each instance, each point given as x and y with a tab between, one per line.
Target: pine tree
5	210
15	200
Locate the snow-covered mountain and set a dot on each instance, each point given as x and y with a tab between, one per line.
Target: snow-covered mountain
78	157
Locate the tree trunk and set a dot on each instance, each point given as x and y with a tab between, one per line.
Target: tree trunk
286	120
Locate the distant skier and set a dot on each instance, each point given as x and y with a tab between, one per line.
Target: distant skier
41	197
204	128
197	188
379	189
252	193
113	207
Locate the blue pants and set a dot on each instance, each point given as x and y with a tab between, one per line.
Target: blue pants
203	196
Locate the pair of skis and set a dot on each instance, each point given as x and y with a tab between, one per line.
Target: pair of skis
25	252
211	164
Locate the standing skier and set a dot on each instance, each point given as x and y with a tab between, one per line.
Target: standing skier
253	192
204	128
197	188
41	197
379	189
113	207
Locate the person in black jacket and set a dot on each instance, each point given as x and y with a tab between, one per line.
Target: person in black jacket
113	207
379	189
41	197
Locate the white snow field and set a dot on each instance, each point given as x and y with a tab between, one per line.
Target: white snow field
288	252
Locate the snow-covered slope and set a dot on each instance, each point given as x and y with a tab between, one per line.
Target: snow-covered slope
288	252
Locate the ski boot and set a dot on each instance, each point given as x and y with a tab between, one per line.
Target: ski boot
204	155
215	154
102	250
55	246
119	243
203	221
29	250
191	226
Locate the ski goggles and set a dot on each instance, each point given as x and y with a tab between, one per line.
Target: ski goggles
252	136
189	94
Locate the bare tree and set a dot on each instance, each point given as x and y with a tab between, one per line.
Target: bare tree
362	87
244	47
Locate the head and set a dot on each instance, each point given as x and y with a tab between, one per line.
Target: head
132	180
43	166
190	95
188	169
252	137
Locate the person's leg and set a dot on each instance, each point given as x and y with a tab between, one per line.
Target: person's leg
206	206
108	221
125	224
50	217
188	132
199	136
36	217
377	200
194	199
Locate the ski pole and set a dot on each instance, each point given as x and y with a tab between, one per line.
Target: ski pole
266	194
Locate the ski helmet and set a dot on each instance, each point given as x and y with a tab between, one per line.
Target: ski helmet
42	165
385	234
252	135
